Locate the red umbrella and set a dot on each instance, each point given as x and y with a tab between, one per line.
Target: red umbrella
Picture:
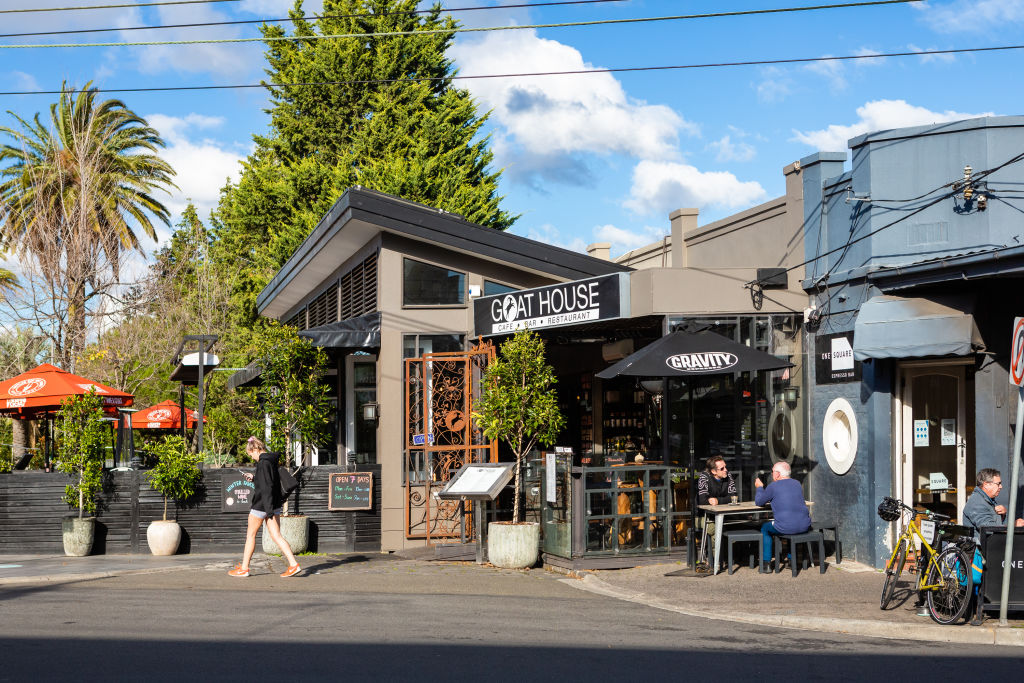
41	390
164	415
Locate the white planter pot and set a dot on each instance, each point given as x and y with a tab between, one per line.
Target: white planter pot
513	546
78	534
295	529
163	537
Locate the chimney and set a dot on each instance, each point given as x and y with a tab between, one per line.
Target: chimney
601	250
683	221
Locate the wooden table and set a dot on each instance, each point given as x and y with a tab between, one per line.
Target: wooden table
722	510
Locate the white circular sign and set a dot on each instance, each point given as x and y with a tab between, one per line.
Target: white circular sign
160	414
27	386
839	435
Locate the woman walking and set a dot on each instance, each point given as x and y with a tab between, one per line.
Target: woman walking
267	501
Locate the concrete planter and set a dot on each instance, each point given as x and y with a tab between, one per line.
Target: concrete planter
513	546
163	537
78	534
295	529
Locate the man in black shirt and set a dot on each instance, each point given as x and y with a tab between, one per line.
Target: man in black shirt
715	486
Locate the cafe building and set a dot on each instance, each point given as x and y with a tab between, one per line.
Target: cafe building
410	302
915	252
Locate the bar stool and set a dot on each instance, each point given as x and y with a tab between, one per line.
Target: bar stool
746	535
808	537
832	526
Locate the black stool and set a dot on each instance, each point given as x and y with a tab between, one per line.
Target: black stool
834	528
808	537
745	535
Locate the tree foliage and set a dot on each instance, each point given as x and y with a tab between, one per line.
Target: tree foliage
519	404
81	449
176	473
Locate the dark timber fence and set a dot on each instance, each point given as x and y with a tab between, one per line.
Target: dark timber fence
31	510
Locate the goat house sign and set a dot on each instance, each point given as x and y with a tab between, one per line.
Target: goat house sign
570	303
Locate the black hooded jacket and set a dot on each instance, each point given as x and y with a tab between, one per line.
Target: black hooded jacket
267	497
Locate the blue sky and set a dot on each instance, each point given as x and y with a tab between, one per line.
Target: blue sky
586	158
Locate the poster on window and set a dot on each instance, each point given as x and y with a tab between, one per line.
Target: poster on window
920	433
947	432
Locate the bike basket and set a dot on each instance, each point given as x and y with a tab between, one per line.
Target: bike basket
889	509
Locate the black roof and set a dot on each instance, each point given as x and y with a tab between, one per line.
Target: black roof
435	226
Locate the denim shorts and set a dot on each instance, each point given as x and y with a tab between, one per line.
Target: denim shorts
260	514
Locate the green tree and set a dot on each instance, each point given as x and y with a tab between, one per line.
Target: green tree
80	454
519	404
292	391
176	473
379	112
73	192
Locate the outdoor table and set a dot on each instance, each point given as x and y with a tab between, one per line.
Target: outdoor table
720	512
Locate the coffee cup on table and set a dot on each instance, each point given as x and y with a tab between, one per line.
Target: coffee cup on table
735	500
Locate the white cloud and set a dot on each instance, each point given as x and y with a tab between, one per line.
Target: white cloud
975	16
833	71
660	187
23	81
627	240
558	115
945	57
276	9
202	165
874	116
727	150
774	85
549	234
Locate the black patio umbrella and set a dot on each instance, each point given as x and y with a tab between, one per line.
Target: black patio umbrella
690	354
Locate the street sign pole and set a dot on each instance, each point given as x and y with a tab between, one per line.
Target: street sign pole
1017	378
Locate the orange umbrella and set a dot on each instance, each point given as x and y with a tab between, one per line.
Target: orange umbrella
41	390
164	415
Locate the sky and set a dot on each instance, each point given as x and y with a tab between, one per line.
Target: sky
585	158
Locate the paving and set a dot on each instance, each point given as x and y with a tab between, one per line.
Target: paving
842	600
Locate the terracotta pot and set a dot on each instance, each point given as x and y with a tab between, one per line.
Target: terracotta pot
78	533
513	546
295	529
163	537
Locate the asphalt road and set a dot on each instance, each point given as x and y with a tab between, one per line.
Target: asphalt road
371	618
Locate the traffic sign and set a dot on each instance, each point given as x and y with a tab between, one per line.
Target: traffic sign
1017	353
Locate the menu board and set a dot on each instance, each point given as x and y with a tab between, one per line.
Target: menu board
350	491
237	489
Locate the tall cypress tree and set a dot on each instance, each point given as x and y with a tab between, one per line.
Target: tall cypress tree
378	111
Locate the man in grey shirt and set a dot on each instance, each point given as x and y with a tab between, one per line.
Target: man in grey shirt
981	509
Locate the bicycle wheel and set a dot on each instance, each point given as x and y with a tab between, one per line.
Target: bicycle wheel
951	574
892	573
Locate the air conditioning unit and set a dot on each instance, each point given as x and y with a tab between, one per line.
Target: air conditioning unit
616	350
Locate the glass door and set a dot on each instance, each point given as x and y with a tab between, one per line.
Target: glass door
360	389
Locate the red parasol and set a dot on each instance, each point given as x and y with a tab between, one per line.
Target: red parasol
41	390
164	415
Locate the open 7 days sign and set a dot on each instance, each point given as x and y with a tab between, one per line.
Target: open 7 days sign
569	303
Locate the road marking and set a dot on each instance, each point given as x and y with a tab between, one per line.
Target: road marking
9	566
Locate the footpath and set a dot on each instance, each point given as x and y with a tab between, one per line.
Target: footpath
842	600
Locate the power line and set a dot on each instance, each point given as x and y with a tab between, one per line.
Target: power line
238	22
481	29
457	77
128	6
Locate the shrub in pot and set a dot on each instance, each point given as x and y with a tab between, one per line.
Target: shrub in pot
80	455
519	406
176	476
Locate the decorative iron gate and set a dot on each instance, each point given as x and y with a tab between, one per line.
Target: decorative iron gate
440	437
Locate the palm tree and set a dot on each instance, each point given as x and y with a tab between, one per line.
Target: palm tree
73	192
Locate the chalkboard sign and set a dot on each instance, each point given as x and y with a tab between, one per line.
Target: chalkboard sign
350	491
237	488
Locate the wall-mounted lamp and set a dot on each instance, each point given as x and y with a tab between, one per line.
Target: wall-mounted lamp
851	197
371	411
654	387
791	394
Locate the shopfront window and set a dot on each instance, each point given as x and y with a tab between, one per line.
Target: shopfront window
491	287
752	419
424	284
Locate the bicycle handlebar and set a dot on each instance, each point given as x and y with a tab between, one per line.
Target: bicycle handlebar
927	513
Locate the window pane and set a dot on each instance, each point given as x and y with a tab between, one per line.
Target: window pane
427	285
497	288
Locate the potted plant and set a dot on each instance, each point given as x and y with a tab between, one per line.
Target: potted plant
80	455
519	406
295	399
176	476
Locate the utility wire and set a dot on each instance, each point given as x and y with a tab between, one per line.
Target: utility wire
457	77
311	17
481	29
128	6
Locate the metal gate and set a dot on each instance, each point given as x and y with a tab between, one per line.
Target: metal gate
440	437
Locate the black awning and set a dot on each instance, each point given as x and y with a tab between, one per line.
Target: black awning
682	354
249	376
898	327
355	333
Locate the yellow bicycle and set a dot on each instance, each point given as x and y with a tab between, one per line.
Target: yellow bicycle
945	575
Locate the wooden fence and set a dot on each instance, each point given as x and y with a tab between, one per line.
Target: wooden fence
31	510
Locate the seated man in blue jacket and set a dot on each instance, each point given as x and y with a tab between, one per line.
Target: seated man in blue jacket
786	497
981	508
